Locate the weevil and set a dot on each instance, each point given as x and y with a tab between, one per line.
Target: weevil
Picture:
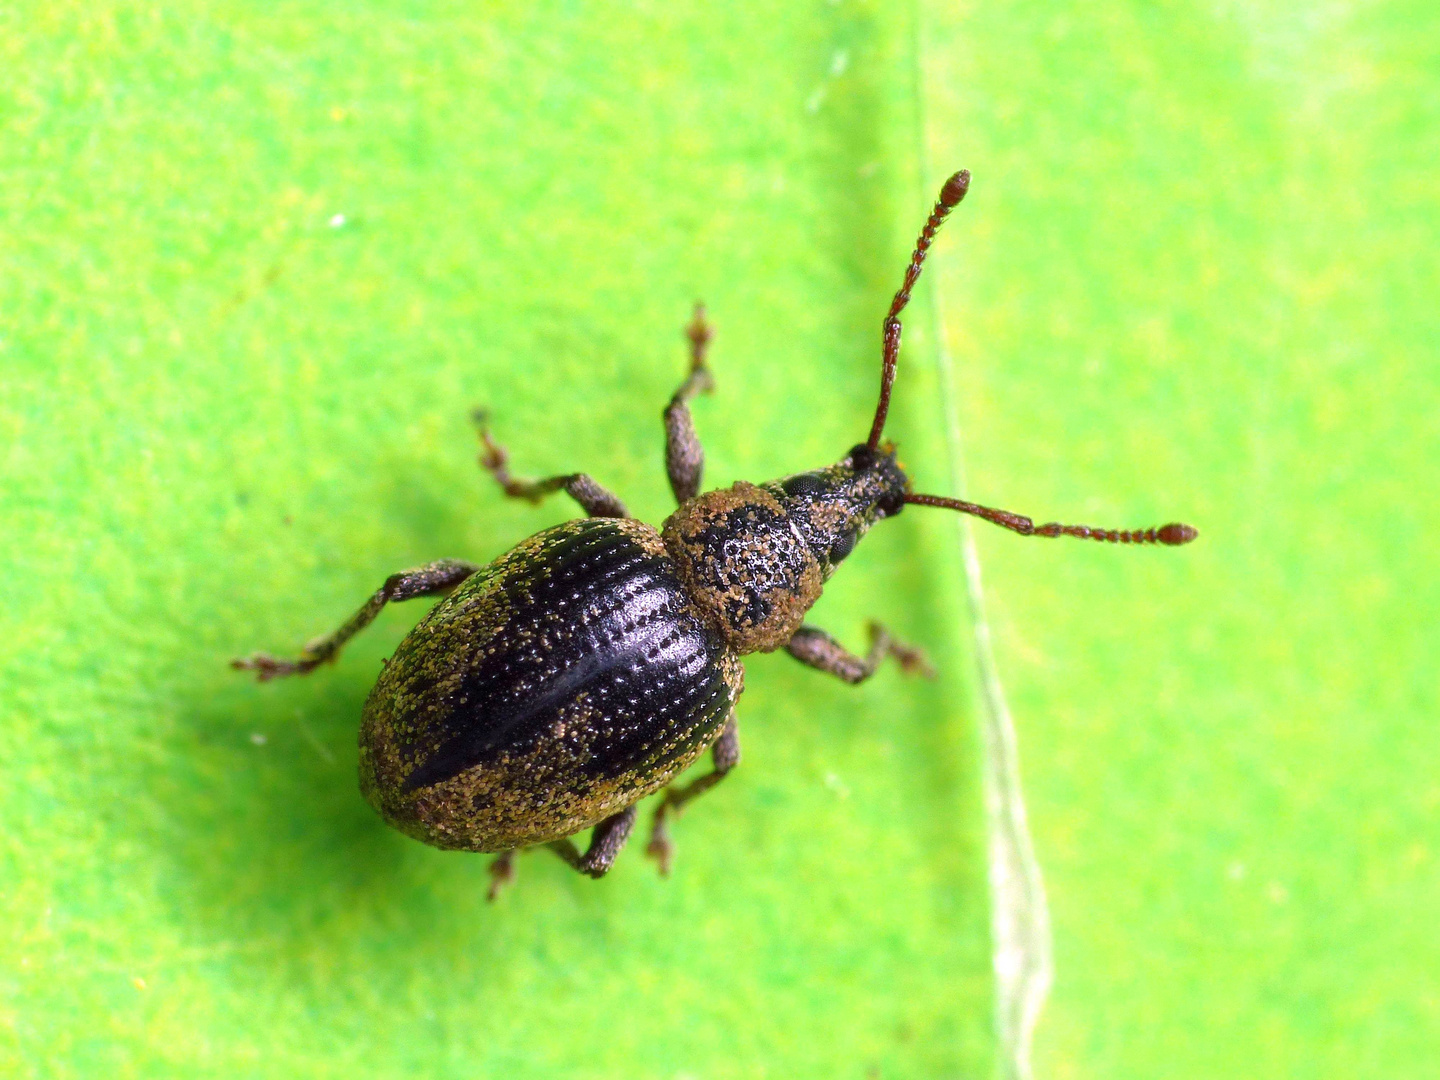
552	690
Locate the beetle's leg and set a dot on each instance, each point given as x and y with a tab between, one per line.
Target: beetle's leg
502	872
725	755
593	499
818	649
606	840
432	579
684	457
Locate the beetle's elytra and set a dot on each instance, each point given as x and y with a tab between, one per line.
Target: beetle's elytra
550	691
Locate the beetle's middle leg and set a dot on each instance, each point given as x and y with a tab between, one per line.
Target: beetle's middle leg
725	755
432	579
595	500
814	647
684	457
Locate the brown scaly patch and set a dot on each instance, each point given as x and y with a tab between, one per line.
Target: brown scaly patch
647	536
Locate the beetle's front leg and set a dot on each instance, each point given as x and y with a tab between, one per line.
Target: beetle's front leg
684	457
595	500
813	646
432	579
725	754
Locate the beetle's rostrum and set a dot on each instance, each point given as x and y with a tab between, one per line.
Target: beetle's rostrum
550	691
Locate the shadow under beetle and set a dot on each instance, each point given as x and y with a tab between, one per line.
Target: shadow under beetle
583	670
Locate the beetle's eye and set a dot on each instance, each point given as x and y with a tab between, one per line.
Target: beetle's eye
861	457
891	503
842	547
803	484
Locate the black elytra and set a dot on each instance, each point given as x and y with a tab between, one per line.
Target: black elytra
550	691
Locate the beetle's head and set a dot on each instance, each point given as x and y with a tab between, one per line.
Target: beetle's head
833	507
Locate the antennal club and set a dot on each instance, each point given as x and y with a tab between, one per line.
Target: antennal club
1173	534
950	196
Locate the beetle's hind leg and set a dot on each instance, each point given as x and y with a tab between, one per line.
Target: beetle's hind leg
432	579
606	840
725	755
595	500
815	648
684	457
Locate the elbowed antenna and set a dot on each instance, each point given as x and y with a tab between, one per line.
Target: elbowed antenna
1173	534
950	196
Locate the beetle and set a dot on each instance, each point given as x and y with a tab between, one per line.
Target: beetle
550	691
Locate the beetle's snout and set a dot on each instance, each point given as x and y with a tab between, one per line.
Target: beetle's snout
833	508
878	477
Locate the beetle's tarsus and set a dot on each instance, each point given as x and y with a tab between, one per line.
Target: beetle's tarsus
502	873
661	848
699	333
911	658
267	667
493	456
